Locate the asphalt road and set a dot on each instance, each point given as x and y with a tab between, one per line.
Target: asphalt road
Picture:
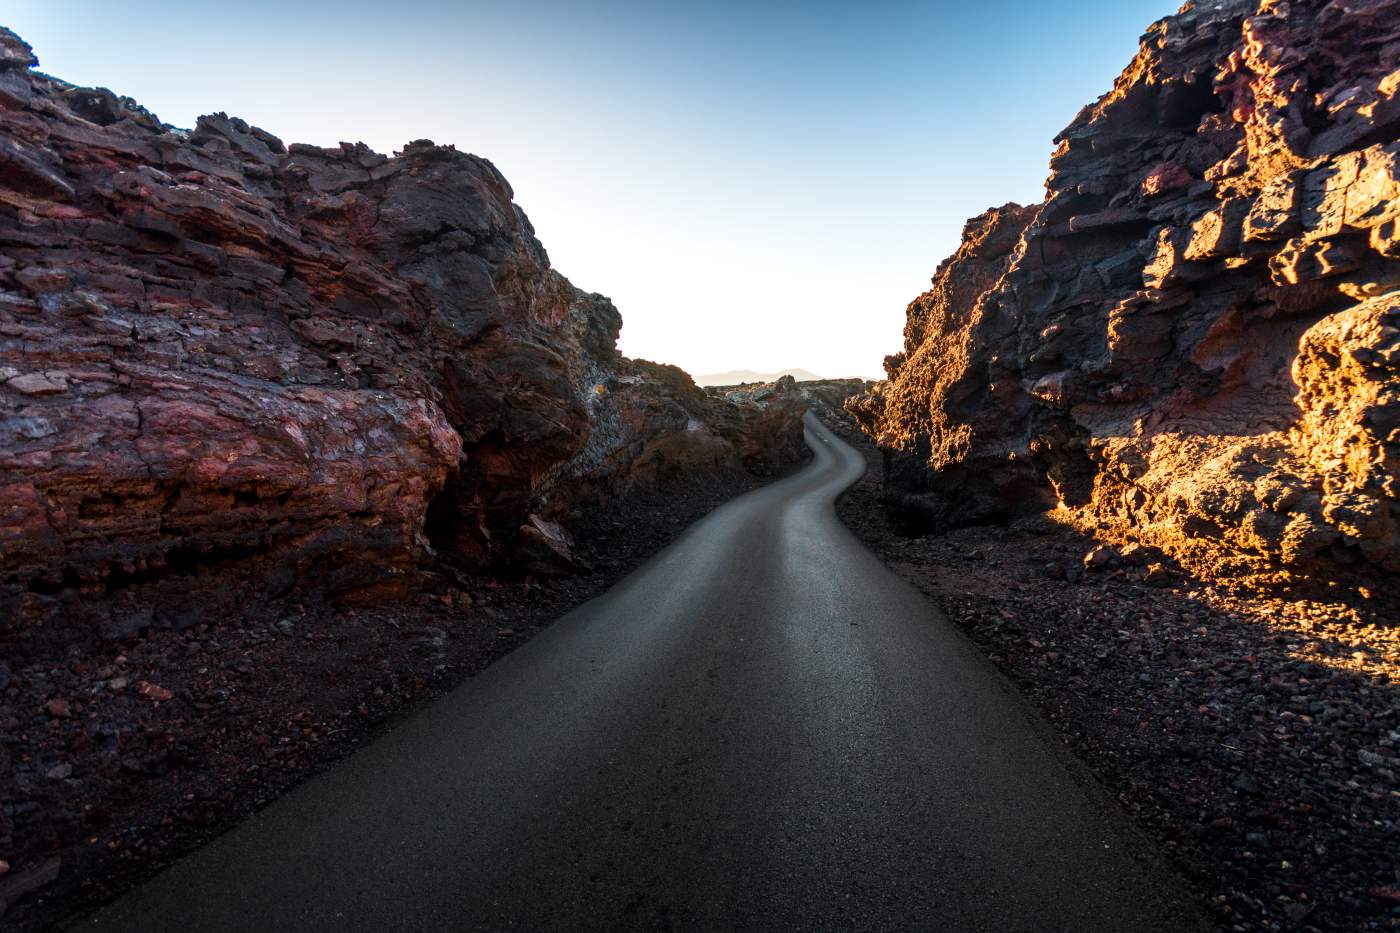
761	728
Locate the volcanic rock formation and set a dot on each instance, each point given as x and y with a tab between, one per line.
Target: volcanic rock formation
1194	341
232	369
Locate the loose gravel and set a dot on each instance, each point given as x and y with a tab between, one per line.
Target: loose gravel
1256	737
115	763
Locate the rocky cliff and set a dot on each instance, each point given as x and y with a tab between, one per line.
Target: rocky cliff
231	370
1194	341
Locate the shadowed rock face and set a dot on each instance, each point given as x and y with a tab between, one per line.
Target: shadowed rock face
1194	341
230	369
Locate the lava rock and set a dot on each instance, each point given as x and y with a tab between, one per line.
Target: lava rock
1191	343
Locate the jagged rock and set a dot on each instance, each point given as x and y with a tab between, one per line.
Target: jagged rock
15	52
1191	343
756	412
235	370
544	548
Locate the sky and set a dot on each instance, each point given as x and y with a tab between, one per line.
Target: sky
755	185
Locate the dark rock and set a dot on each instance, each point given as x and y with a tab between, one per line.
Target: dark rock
1246	784
544	548
236	373
1185	345
18	884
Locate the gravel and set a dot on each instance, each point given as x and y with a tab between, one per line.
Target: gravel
1255	736
114	764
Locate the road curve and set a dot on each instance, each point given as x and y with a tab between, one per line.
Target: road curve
761	728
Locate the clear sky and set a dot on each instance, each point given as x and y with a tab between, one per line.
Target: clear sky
756	185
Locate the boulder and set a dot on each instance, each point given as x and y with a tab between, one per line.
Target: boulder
544	548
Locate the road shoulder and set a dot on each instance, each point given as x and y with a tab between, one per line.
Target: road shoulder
165	741
1252	737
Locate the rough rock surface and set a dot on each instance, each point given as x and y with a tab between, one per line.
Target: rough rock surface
1194	341
821	395
233	371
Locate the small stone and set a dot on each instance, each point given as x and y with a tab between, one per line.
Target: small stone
117	684
59	772
1099	556
4	867
152	691
1245	784
58	708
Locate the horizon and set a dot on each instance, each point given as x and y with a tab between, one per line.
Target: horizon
695	166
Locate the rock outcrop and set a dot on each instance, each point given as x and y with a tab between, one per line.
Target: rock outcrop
826	397
231	370
1194	341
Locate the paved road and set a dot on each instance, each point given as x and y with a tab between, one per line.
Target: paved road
762	728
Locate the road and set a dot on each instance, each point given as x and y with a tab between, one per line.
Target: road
761	728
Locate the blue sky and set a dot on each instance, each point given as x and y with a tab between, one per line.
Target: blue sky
757	185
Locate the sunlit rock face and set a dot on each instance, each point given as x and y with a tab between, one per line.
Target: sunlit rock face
232	370
1193	341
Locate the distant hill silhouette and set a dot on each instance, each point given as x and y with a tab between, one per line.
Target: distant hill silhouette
736	376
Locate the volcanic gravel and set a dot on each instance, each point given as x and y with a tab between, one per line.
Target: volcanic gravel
116	763
1257	737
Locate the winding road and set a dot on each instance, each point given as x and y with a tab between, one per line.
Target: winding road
761	729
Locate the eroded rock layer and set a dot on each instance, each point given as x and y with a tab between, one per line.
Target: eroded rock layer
232	369
1194	341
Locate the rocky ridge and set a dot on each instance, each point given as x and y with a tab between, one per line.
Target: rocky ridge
821	395
234	372
1193	343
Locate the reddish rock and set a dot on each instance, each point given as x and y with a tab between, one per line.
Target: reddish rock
1160	179
1192	343
233	371
153	691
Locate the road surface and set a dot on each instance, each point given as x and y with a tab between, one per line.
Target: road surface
762	728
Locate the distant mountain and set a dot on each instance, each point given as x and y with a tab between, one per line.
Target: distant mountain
734	377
